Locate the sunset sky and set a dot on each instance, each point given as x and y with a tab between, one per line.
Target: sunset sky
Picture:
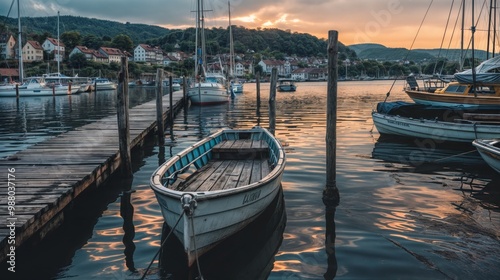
393	23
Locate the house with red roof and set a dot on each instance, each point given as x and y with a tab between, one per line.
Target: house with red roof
55	47
112	54
32	51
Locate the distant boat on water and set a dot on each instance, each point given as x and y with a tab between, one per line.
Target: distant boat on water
287	85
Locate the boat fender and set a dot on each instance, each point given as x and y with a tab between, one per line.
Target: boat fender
188	204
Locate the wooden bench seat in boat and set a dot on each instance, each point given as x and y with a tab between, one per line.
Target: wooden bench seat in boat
241	149
234	163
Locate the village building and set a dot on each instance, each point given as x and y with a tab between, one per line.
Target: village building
112	54
32	51
7	46
55	47
148	54
90	54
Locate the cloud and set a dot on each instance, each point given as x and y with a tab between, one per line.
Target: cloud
393	23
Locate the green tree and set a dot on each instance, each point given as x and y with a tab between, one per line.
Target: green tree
91	41
71	39
77	60
122	42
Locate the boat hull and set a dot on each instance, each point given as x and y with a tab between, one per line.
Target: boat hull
217	214
489	151
445	99
38	92
287	88
430	129
208	96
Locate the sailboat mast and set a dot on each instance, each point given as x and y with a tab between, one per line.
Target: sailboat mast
203	46
231	46
197	28
473	30
19	43
462	58
58	47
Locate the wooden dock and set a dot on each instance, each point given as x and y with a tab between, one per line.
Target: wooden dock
46	177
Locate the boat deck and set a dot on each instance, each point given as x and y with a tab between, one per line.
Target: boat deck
235	163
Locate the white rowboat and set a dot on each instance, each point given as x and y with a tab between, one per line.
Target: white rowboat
219	185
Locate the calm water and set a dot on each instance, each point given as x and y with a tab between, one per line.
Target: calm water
408	209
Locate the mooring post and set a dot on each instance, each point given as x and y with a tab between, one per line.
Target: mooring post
69	88
257	84
184	90
171	101
123	118
272	100
160	126
331	193
17	91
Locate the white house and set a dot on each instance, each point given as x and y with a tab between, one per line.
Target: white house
90	54
7	46
283	67
51	45
148	54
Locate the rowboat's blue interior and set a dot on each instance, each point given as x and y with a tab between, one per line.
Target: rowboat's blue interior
201	153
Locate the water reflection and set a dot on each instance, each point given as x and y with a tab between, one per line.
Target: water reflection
30	120
249	254
127	213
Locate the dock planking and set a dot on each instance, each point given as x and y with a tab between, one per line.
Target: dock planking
50	174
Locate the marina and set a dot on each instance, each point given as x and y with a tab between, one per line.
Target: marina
432	210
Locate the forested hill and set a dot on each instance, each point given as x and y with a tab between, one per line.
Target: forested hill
270	41
85	26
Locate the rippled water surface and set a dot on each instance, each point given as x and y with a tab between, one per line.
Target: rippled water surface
408	209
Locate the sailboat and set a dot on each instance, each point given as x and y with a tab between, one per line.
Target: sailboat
33	86
236	85
209	88
478	87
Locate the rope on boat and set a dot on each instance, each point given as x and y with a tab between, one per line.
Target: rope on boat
411	47
161	246
461	154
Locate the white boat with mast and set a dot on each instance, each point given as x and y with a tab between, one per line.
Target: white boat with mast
236	85
478	87
209	88
32	86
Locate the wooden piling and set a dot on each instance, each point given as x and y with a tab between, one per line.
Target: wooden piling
159	107
123	119
69	88
170	100
257	84
17	91
53	89
184	90
331	193
272	100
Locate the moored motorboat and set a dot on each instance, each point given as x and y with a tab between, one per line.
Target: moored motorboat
489	149
219	185
286	85
456	124
103	84
36	86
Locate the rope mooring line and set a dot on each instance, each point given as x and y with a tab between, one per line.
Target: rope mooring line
461	154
